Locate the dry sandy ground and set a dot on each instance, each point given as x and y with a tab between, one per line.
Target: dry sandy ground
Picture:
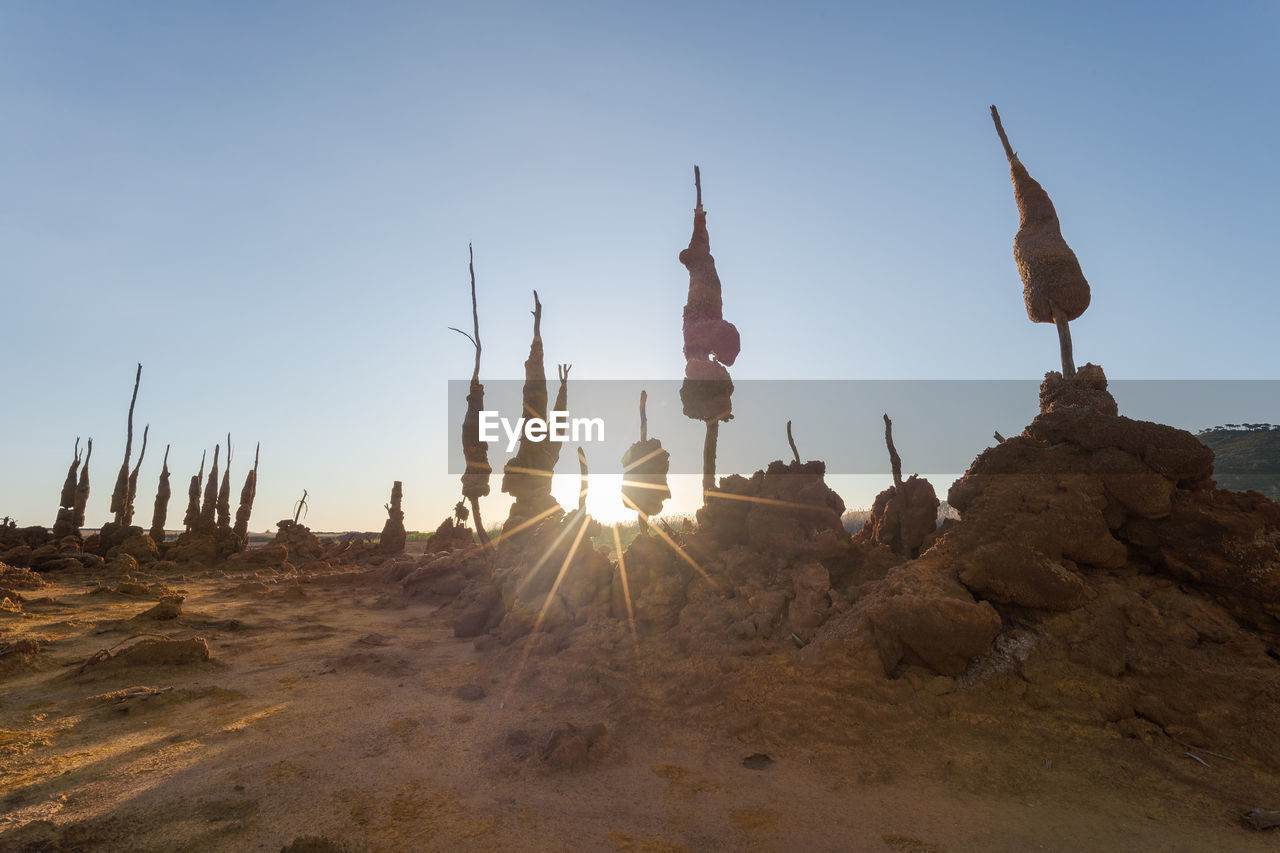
337	709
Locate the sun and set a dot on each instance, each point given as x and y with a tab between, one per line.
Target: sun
604	496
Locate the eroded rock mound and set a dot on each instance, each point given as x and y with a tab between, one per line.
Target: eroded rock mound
393	536
298	540
903	518
449	536
1097	572
785	510
550	575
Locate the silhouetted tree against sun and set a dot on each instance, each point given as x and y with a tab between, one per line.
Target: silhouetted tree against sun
644	472
527	475
475	479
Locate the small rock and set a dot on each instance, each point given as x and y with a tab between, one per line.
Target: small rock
169	607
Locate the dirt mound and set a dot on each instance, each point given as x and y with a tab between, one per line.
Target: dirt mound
18	656
152	652
169	607
13	578
1096	572
203	547
393	534
35	548
440	574
450	535
569	748
549	575
786	510
903	518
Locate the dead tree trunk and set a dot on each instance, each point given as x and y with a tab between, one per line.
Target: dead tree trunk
82	488
68	496
561	405
709	458
161	511
65	525
1053	285
527	476
791	441
191	520
895	461
209	508
132	493
475	478
121	492
711	343
224	493
247	494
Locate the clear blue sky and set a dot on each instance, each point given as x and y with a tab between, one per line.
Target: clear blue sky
269	206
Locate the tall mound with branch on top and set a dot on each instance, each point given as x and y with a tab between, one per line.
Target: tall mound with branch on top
644	472
132	493
161	509
117	530
191	520
393	536
904	516
247	494
121	492
207	523
65	524
1053	285
711	343
224	494
527	475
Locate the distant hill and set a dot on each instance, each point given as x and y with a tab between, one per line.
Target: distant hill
1246	456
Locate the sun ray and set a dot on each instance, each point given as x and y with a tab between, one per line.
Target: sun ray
632	484
528	522
583	522
643	459
546	555
533	472
715	495
672	543
626	592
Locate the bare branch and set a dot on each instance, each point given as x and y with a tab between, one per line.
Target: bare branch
644	418
1004	140
894	460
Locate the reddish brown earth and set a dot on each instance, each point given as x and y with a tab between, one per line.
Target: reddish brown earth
335	707
1087	659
